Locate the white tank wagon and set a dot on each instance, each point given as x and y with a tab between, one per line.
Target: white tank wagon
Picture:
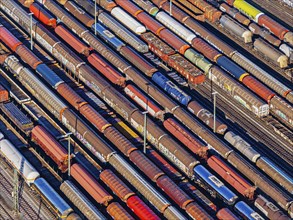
18	161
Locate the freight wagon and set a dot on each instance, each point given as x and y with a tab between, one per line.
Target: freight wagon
17	117
127	20
4	95
236	29
225	214
269	209
51	147
42	14
80	201
116	211
213	185
275	55
246	212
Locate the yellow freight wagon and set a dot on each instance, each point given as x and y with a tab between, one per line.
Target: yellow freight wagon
247	9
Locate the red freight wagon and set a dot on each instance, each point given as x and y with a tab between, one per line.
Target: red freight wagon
52	148
230	176
186	69
206	49
141	209
259	88
273	26
90	184
73	41
164	165
109	72
28	56
157	46
225	214
195	145
4	96
153	25
116	185
171	189
144	101
173	41
43	15
8	39
147	167
130	7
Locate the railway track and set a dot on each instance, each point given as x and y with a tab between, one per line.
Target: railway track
29	206
283	75
272	8
4	213
242	122
6	210
30	203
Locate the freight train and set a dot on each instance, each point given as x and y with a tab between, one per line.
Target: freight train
33	179
35	134
236	90
36	85
262	162
88	182
182	65
59	155
263	20
212	54
232	53
102	151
